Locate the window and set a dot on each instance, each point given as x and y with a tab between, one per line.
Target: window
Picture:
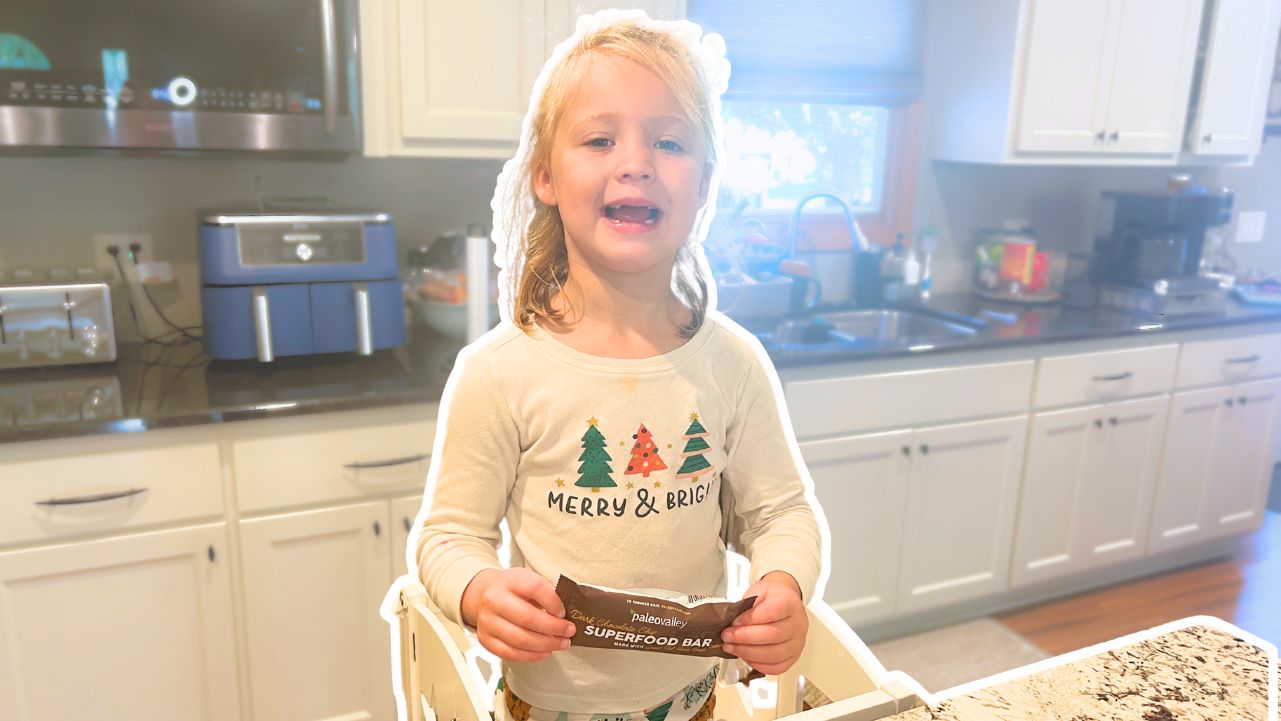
776	153
821	98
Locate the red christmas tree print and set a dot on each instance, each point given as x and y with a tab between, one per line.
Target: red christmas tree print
645	459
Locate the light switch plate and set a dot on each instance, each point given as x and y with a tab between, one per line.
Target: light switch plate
1250	226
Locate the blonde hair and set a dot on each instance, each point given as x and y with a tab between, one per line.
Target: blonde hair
541	243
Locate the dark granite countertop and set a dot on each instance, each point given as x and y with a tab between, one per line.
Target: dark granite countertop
1006	324
1197	672
153	386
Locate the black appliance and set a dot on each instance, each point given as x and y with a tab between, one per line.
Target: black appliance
1148	249
180	74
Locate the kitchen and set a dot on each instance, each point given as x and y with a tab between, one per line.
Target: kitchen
302	465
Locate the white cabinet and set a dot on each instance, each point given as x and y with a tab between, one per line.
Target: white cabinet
861	482
135	627
1217	463
1106	76
1100	82
313	583
962	493
453	79
1240	46
1087	488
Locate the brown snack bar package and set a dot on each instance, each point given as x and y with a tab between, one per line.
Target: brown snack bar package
685	625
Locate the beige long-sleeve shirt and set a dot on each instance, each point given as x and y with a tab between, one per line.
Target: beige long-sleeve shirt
610	471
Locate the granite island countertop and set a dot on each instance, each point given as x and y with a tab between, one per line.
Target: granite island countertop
1196	673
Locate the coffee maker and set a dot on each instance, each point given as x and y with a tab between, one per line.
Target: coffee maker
1148	250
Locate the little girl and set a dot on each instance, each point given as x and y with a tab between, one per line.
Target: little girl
603	416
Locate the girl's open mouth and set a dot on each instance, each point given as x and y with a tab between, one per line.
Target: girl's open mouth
632	218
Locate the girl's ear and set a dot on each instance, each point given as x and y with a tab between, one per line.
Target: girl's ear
543	187
704	184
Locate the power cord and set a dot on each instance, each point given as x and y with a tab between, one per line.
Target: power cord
134	249
187	337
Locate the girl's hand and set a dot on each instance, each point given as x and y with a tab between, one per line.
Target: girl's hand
517	614
770	635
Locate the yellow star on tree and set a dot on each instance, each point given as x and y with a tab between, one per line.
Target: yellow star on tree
559	483
592	421
693	416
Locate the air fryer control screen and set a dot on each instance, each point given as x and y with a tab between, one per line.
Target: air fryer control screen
301	244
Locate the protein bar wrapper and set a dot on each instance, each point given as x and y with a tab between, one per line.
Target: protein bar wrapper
685	625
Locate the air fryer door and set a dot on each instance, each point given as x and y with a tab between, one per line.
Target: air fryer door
357	317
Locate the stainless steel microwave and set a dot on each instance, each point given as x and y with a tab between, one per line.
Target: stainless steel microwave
180	74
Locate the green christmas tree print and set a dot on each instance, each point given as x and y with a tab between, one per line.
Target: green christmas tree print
695	464
595	469
659	713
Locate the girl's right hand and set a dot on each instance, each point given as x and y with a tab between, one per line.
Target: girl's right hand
517	614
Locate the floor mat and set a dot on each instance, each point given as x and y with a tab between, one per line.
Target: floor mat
954	655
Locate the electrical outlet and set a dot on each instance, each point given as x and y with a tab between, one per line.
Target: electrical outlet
103	260
1250	227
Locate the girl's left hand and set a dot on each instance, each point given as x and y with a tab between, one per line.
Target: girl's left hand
770	635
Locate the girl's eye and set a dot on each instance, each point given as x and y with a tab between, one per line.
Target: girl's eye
671	145
600	142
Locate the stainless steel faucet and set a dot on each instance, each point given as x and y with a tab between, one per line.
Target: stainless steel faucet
794	228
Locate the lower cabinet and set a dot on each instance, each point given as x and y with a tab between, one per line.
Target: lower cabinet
313	584
1216	464
918	518
1087	488
126	628
961	498
861	483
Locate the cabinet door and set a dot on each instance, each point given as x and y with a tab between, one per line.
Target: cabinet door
960	511
1116	499
861	483
1187	468
136	627
1242	466
1062	457
313	583
1155	52
404	511
467	68
1239	54
1068	50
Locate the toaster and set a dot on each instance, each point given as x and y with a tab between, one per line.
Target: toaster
291	284
55	324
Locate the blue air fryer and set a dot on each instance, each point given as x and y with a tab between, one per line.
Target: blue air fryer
283	284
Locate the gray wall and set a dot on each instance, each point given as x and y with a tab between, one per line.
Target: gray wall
51	207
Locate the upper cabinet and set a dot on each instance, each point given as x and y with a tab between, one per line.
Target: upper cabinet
450	79
1240	40
1099	82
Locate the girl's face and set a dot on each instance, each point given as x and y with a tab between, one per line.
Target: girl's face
627	172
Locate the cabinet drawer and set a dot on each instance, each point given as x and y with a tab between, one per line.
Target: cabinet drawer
1092	377
332	465
1228	360
94	493
830	406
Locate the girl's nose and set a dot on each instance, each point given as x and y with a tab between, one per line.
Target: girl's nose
635	163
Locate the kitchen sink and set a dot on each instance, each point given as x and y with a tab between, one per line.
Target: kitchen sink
872	329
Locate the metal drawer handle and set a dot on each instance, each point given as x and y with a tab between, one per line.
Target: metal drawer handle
96	498
925	449
1244	359
1117	377
390	462
378	529
408	524
907	450
1098	422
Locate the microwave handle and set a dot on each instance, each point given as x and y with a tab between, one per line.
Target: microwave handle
364	326
262	325
329	40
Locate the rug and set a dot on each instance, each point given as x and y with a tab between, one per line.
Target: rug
953	655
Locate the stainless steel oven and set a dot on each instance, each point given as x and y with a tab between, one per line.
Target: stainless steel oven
180	74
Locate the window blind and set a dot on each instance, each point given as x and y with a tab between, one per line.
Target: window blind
835	51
